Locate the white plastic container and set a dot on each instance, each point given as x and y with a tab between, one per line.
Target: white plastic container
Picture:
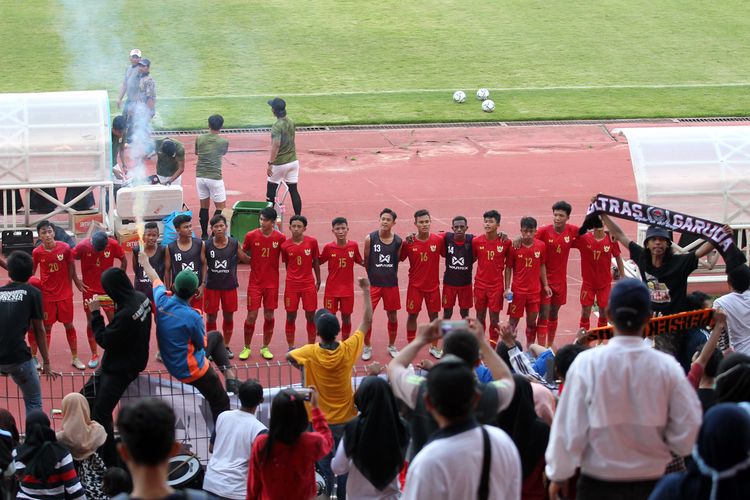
158	201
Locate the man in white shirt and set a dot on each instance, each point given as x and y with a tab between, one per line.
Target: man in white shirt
464	459
226	474
625	409
736	306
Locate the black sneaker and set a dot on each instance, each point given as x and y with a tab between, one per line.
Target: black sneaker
233	386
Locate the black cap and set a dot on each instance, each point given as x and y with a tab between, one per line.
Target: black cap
629	303
657	232
327	324
144	62
277	104
99	240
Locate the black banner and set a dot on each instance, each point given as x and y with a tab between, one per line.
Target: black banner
675	221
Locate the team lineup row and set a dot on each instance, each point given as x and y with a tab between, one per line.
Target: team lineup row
529	272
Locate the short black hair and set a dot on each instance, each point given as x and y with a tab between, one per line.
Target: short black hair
180	220
300	218
169	148
215	122
118	123
564	357
458	218
739	278
528	223
216	219
116	480
712	365
733	379
389	212
44	223
20	266
268	213
596	222
451	387
250	393
492	214
339	220
421	213
562	205
696	300
151	225
147	429
463	344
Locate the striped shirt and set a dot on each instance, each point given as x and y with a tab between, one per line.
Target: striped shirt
62	484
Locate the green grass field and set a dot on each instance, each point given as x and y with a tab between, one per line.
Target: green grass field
342	62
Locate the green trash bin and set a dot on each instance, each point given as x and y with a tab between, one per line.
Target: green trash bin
246	217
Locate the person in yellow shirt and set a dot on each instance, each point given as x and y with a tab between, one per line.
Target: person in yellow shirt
328	366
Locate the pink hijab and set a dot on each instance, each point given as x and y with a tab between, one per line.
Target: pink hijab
81	435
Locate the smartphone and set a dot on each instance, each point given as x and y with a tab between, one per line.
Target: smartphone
447	326
305	392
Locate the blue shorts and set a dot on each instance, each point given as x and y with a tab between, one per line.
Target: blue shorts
540	364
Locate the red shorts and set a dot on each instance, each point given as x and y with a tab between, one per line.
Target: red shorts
390	296
485	298
198	303
268	296
415	296
521	302
559	295
335	304
600	294
309	299
57	310
104	306
227	298
462	293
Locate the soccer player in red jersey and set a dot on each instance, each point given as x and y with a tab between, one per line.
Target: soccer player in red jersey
559	238
459	264
56	269
97	254
490	251
526	265
597	250
382	249
423	251
341	256
263	246
301	255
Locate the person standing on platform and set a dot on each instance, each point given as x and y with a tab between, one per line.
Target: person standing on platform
283	164
210	148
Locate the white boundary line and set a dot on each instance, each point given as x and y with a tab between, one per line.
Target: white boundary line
500	89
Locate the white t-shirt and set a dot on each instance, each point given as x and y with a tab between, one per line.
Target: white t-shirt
226	474
737	307
451	467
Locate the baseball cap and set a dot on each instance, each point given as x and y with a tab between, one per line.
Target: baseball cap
327	324
186	281
144	62
99	240
277	104
169	148
657	232
135	52
629	303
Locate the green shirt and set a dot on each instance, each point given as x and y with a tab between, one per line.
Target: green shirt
283	131
166	166
209	148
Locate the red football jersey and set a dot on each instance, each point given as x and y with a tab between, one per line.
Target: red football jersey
341	260
490	257
424	262
526	263
53	270
298	258
264	252
596	260
94	263
558	248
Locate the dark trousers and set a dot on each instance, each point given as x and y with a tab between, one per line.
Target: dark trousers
216	350
325	465
209	385
590	488
103	391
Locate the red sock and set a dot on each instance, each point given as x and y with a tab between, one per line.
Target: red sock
530	336
248	330
585	323
346	330
227	328
72	336
210	325
268	325
392	332
551	330
541	331
410	335
602	321
311	332
91	339
494	333
289	330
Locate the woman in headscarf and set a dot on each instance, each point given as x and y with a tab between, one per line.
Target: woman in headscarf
720	469
373	447
733	379
83	437
44	467
8	442
530	435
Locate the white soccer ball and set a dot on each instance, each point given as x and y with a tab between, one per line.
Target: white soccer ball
488	106
459	96
483	94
